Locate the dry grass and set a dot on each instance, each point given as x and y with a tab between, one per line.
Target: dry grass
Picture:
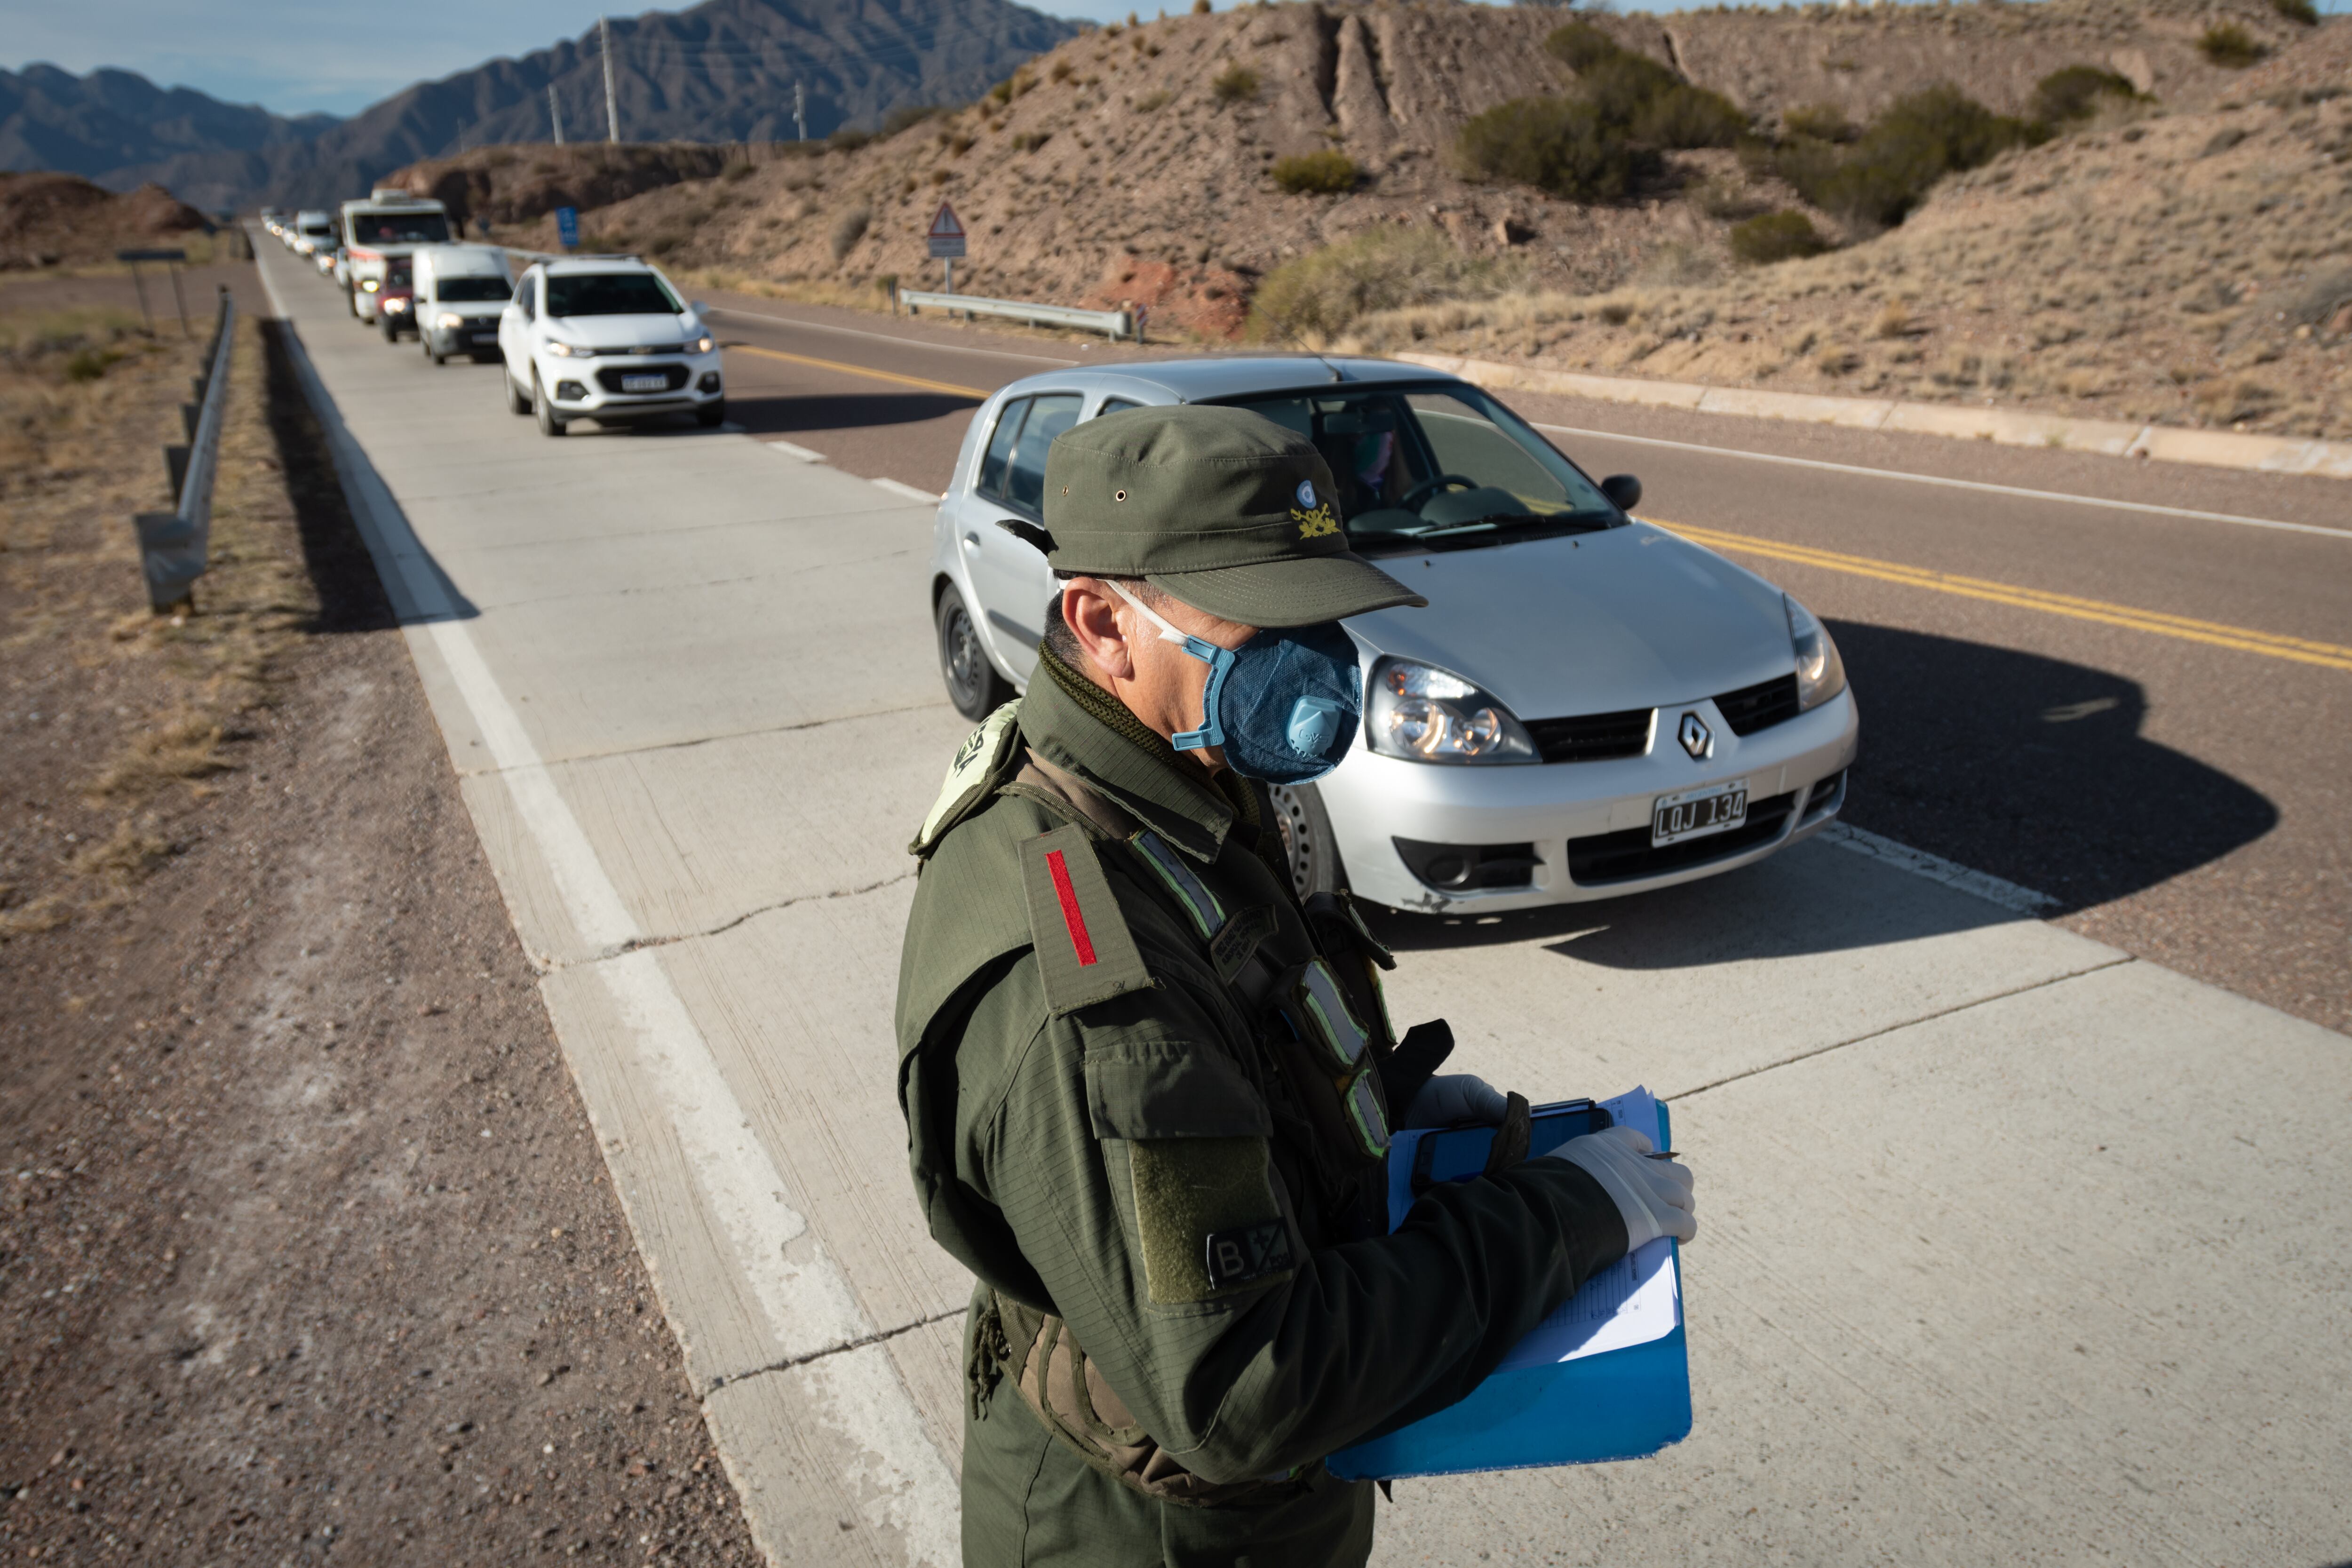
147	706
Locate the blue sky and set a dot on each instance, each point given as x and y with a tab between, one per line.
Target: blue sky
294	56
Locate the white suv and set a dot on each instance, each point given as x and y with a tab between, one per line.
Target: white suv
606	338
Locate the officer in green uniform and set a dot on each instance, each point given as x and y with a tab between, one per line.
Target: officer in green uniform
1149	1092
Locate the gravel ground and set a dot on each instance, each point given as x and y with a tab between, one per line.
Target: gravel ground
306	1252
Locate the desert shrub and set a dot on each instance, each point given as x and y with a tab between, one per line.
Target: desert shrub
907	116
1776	236
1235	84
1202	7
1687	115
2229	46
849	230
88	363
1323	292
848	139
736	171
1640	98
1579	46
2302	11
1821	122
2076	93
1889	169
1152	102
1327	173
1063	70
1030	140
1556	144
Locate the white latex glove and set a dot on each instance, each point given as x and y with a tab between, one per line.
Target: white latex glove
1450	1099
1655	1196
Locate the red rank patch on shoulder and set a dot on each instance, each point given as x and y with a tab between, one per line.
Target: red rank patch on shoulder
1072	916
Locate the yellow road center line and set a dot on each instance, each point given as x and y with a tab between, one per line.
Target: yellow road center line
950	388
2244	639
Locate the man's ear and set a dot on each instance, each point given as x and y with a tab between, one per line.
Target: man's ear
1092	615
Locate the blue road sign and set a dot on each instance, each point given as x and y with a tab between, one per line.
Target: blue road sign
567	227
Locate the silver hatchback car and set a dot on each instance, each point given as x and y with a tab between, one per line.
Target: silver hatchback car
1590	705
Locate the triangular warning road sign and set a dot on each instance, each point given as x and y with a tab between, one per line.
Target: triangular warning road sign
945	225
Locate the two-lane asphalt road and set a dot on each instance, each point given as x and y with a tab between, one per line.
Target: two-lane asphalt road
2136	711
2013	1246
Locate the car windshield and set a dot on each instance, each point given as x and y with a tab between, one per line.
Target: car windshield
1435	468
399	229
463	288
609	294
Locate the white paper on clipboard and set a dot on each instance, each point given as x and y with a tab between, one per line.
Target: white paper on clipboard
1633	1301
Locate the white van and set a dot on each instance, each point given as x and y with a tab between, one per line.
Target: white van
460	292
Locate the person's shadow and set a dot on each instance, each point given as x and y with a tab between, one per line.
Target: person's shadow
2031	769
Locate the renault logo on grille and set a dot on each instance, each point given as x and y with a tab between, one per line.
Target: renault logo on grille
1697	738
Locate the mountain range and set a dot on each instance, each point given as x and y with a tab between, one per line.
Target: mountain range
722	71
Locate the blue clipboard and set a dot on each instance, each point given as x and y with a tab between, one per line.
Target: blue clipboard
1619	1405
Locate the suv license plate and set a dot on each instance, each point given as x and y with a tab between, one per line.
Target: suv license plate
1695	812
644	384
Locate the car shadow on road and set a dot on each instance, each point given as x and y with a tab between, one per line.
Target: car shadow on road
2030	768
791	416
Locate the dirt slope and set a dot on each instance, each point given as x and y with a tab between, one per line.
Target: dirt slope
1116	173
47	219
2193	268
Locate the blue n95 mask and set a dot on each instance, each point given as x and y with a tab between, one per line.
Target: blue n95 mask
1282	707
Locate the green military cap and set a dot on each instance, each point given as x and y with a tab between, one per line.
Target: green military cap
1222	508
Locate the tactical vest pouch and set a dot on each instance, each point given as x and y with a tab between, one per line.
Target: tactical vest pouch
1328	1053
1061	1384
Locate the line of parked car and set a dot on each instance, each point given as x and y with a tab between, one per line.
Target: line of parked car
605	338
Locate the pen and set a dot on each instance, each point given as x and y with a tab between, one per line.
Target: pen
1665	1155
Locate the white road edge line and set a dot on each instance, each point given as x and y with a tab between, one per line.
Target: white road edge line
926	496
807	1301
1980	485
789	450
1936	868
893	338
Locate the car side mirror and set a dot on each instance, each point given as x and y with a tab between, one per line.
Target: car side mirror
698	307
1624	491
1028	533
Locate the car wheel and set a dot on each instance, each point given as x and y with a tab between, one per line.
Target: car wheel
518	401
544	406
712	415
973	685
390	332
1307	840
425	342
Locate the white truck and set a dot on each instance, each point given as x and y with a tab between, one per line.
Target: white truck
460	292
389	223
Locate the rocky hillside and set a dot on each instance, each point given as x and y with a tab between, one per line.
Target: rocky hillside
48	220
722	71
108	121
1137	165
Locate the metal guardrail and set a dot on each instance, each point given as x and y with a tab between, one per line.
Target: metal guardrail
1117	323
174	547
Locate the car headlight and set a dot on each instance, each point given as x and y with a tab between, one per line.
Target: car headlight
560	349
1821	673
448	320
395	303
368	284
702	345
1429	716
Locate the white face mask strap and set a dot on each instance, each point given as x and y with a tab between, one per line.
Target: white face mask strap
1199	647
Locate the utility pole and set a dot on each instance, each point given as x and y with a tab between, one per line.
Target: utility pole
800	110
612	109
555	114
